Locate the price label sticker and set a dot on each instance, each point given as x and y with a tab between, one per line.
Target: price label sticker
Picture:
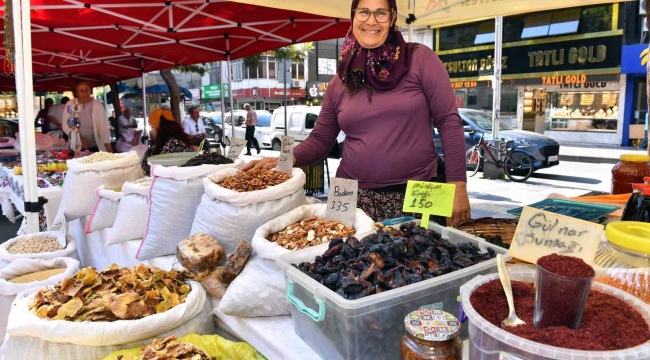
342	200
236	147
429	198
540	233
507	356
285	161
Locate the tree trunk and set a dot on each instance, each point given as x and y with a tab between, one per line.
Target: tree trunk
115	95
174	93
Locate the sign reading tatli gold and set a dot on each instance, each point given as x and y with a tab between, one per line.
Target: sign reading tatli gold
581	55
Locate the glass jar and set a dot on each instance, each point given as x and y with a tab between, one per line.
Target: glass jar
624	260
634	202
431	335
631	169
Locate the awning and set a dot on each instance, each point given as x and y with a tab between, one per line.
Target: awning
435	12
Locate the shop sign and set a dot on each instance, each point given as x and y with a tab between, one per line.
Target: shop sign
257	92
587	54
634	59
577	81
317	89
210	92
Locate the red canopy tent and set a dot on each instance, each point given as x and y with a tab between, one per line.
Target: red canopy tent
108	40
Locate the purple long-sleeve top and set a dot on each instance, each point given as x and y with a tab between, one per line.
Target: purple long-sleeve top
390	140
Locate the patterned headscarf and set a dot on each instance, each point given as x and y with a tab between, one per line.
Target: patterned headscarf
375	69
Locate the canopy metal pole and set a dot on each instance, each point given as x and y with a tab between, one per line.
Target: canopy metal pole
144	98
496	84
25	95
232	114
412	10
286	105
222	94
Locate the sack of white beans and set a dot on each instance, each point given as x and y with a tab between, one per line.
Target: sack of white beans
42	245
86	174
25	274
105	209
131	220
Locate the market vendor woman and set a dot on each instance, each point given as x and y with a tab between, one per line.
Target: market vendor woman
387	96
94	132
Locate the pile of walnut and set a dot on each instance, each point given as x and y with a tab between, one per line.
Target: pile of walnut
201	255
113	294
169	349
311	232
254	180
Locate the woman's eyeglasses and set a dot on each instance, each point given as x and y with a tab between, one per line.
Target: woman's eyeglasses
363	14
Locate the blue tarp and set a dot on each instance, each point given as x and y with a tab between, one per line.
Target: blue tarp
156	89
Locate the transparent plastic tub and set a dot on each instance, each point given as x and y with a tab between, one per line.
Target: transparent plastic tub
488	341
172	159
371	327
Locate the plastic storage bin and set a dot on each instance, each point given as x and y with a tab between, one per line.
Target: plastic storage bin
488	341
624	260
173	159
372	327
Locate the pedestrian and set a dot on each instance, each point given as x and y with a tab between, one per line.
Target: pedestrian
381	78
94	131
42	118
251	122
55	113
112	121
194	127
129	133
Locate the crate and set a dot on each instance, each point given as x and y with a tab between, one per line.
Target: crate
372	327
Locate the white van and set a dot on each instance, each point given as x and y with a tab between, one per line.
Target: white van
262	130
301	120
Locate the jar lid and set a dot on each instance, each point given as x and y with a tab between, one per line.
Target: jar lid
432	325
640	186
646	178
629	235
635	158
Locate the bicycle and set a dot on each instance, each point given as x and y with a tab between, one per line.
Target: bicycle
517	165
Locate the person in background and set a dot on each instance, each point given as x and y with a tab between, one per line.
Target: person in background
129	133
42	117
112	121
644	143
194	127
386	97
94	132
170	139
251	122
55	113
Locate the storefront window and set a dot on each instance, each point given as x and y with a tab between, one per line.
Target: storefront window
272	74
237	70
583	111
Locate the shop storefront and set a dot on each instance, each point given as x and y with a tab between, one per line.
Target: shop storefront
267	98
568	90
316	92
211	97
634	65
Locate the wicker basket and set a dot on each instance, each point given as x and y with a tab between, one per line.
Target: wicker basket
490	226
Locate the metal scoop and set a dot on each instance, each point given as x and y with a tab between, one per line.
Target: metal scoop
512	319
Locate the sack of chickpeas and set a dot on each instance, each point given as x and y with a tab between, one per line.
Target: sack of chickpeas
43	245
305	233
86	174
174	196
237	202
24	274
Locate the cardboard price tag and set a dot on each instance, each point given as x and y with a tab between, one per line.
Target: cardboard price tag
429	198
236	147
540	233
285	161
342	200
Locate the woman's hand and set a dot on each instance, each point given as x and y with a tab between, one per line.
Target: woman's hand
462	208
266	163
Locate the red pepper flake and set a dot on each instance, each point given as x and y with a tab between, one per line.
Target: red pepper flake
608	323
568	266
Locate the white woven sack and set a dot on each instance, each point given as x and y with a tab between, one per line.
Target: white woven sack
174	197
23	322
131	219
230	216
270	250
69	251
105	210
260	290
21	267
30	347
82	180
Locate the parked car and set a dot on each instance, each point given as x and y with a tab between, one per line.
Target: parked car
262	130
213	125
301	120
542	149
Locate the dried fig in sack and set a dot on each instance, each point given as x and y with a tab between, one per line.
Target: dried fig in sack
200	253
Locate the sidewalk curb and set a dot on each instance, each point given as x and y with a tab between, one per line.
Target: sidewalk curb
588	159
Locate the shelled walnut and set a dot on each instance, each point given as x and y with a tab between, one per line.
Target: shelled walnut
311	232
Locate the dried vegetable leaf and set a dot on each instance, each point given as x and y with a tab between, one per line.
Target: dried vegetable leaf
112	294
171	348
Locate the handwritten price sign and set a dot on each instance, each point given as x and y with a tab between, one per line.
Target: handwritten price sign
285	161
236	147
428	198
342	200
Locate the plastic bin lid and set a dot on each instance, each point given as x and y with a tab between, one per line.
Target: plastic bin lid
630	235
635	158
172	158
